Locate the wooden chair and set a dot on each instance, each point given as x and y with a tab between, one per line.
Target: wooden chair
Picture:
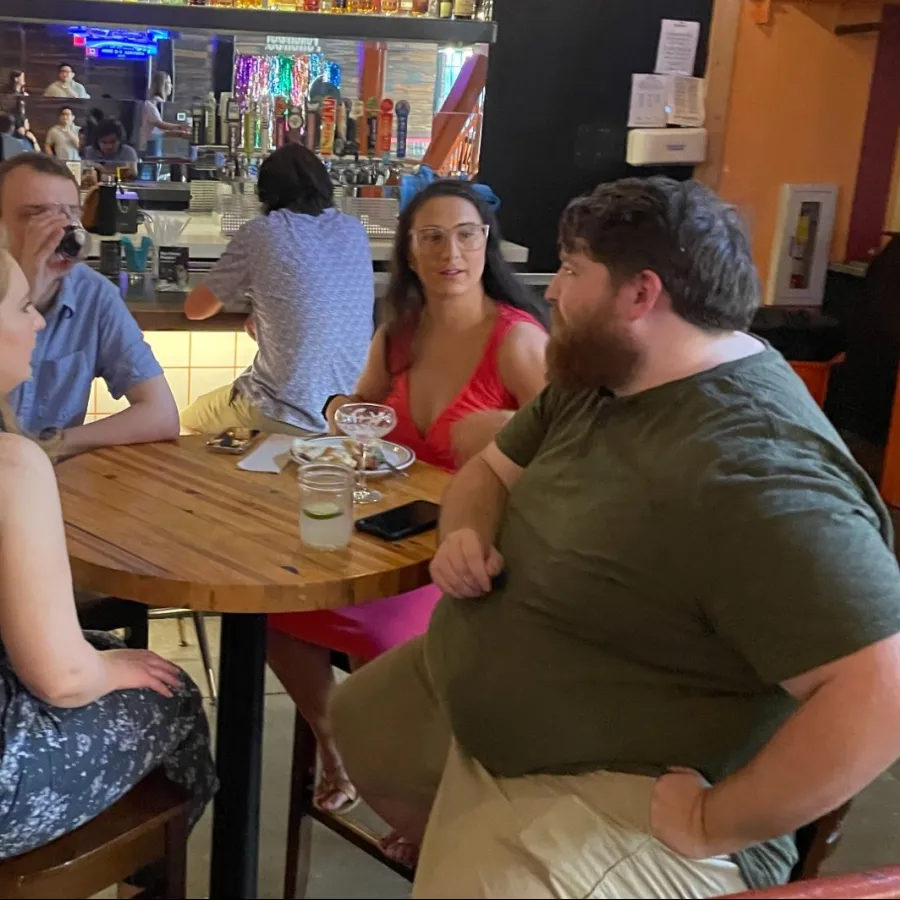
815	843
879	884
149	824
303	812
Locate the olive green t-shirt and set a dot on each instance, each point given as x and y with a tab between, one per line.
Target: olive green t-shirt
672	558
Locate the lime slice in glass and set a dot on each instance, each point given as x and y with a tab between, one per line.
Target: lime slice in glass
322	511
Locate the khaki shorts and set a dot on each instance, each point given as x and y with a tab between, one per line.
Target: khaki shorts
224	408
541	836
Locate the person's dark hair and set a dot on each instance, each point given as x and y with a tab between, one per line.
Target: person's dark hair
695	242
295	179
107	128
11	83
37	162
64	65
62	109
405	299
6	124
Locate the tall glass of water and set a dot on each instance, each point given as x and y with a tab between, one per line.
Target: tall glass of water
365	422
326	506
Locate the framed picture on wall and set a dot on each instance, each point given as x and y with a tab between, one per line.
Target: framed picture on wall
801	245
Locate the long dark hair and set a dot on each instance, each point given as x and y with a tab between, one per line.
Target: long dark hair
294	178
11	86
405	299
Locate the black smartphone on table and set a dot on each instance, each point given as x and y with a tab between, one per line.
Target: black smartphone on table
402	521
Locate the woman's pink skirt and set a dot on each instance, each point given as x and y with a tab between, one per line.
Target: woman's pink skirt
363	631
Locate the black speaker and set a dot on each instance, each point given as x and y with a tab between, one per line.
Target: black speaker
107	210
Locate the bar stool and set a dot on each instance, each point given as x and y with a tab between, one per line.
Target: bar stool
303	812
147	825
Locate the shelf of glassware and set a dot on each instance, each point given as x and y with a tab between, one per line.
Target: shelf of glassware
228	20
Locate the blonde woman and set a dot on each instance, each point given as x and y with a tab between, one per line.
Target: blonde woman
82	720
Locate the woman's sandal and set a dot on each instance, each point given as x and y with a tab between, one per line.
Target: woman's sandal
400	850
335	795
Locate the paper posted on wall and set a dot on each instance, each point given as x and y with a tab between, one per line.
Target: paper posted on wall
678	43
649	99
687	101
661	100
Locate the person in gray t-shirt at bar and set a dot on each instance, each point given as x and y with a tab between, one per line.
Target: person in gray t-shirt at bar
307	271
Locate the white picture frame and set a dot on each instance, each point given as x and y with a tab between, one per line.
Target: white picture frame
801	245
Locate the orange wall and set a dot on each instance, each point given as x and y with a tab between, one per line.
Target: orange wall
798	106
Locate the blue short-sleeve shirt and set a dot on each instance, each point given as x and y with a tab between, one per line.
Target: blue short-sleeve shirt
89	334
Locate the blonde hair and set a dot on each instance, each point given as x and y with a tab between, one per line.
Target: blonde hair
8	422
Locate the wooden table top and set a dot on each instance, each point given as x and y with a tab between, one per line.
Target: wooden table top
175	525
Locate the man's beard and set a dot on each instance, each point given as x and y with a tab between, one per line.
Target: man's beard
594	356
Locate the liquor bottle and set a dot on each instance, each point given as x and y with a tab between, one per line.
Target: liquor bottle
420	7
406	7
445	10
222	3
198	3
364	6
248	4
312	5
463	9
390	7
484	10
339	6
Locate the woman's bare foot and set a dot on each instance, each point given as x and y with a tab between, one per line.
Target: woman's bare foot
335	792
400	850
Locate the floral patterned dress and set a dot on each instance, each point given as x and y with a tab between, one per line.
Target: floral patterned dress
59	768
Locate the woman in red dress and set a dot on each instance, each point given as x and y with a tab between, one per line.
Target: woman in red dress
457	355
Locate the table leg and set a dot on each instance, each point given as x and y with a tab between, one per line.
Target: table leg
235	837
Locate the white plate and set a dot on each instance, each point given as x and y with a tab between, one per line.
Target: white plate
397	455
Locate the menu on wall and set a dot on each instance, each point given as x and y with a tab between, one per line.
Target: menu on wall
678	43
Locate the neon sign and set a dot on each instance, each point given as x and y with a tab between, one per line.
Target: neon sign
117	43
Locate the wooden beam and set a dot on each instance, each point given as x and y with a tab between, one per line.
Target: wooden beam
723	38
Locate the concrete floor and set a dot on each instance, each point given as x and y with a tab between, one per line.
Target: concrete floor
872	836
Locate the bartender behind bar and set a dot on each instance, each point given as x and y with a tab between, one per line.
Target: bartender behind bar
109	153
153	127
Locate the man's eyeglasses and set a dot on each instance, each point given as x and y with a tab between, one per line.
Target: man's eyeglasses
468	237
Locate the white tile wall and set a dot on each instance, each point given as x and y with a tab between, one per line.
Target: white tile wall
194	363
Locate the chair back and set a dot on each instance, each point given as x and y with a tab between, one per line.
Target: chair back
817	842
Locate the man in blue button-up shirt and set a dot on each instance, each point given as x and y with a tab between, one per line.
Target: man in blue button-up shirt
90	333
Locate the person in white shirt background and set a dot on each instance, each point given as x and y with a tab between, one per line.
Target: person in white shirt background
62	139
66	85
153	127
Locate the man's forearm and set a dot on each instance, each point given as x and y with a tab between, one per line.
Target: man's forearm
139	424
474	499
838	742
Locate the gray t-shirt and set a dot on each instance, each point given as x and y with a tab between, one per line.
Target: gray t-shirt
311	286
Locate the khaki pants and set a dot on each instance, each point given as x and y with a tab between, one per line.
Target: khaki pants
540	836
223	408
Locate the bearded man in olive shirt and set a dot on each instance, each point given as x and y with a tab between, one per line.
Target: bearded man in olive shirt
693	648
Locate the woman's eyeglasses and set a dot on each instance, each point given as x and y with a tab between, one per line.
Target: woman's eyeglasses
468	237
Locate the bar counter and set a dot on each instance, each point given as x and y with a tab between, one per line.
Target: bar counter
204	237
